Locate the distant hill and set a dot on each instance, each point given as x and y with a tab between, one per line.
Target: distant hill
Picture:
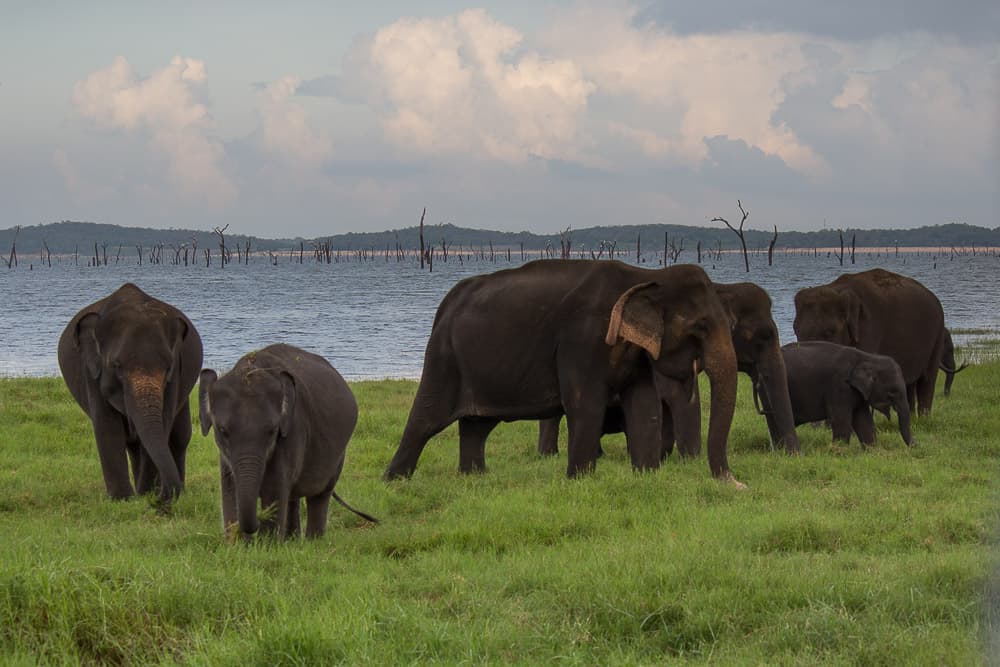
69	237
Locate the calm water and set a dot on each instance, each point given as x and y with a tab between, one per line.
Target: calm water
372	319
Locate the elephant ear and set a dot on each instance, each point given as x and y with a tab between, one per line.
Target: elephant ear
287	403
854	314
638	319
177	331
205	382
85	340
862	378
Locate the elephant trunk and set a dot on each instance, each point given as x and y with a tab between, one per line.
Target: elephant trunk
720	366
144	404
902	408
247	491
773	379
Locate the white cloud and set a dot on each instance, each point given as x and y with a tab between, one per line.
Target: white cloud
285	129
676	91
461	86
165	106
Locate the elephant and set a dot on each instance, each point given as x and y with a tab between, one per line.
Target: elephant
130	361
570	337
841	384
758	354
884	313
282	418
948	363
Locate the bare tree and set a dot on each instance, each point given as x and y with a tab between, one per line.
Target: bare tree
739	232
12	260
770	247
565	244
422	214
841	255
220	232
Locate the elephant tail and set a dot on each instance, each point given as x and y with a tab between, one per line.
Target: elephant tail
366	517
961	368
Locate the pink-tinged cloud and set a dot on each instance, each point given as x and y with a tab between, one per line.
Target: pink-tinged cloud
164	107
459	86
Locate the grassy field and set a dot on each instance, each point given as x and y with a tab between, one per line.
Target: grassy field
837	556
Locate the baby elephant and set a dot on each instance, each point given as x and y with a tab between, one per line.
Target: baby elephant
841	384
282	420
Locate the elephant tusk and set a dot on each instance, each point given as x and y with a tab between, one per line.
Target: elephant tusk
756	403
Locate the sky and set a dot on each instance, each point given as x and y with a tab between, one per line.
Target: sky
316	118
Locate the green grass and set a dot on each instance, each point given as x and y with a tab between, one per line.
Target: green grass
837	556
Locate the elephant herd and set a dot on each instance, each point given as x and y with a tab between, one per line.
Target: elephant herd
610	346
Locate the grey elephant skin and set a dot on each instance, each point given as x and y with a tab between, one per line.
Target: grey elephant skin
883	313
570	336
282	418
758	354
841	384
130	361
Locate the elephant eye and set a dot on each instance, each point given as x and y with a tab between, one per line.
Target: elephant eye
222	431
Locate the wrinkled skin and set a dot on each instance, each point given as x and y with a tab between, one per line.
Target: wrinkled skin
758	354
948	363
883	313
282	419
130	361
571	336
841	385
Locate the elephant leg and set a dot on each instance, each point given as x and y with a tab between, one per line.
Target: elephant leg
911	397
134	450
111	434
687	425
925	393
316	511
293	529
274	496
472	434
147	479
864	425
180	436
431	413
228	485
840	423
548	436
643	413
666	432
684	408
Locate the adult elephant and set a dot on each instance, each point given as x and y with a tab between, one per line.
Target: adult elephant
880	312
130	361
758	354
572	336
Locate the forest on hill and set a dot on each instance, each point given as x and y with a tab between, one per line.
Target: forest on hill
84	237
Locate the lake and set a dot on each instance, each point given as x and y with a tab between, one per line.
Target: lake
372	319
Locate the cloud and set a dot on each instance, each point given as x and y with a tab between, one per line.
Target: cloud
284	128
851	20
680	90
165	107
464	86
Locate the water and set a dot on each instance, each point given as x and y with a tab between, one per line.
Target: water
372	319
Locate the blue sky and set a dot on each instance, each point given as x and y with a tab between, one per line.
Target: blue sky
318	118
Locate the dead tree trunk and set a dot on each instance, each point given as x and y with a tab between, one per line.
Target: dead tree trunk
854	237
841	255
222	244
739	232
12	260
770	247
422	214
